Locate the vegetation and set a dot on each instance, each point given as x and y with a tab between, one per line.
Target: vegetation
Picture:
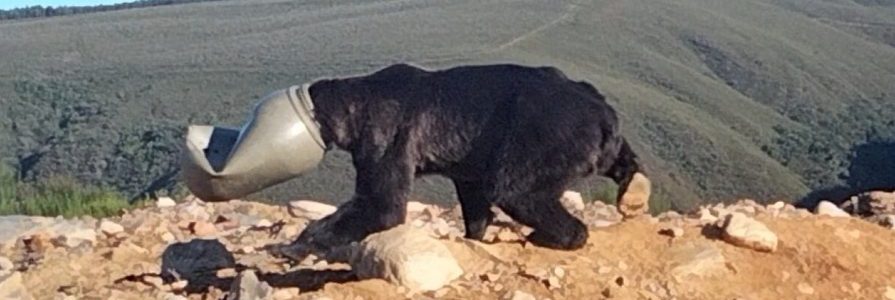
38	11
770	100
56	196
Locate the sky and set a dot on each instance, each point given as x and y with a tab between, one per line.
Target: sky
10	4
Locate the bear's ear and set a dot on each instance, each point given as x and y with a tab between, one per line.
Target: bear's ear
635	199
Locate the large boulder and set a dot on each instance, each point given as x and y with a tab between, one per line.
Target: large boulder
407	256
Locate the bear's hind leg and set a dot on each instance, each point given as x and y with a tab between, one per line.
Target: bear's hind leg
540	208
476	207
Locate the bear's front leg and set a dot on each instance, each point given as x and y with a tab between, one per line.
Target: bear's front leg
383	183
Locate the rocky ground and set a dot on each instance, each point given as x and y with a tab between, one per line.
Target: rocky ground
194	250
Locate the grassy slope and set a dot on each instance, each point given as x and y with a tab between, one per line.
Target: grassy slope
701	84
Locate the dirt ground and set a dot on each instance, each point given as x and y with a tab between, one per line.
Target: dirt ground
818	257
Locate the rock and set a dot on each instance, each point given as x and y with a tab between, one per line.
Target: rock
887	221
805	288
740	230
415	207
248	287
519	295
572	201
179	285
110	228
286	294
407	256
827	208
196	261
202	229
12	287
672	231
163	202
6	266
77	237
700	260
263	223
311	209
890	293
635	201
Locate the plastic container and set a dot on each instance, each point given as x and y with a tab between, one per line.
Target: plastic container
278	142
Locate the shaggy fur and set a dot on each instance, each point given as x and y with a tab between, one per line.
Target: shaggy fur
506	135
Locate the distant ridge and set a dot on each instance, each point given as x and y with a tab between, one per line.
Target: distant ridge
39	11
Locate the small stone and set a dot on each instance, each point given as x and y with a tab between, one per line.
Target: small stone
672	231
890	293
415	207
110	228
263	223
179	285
559	272
12	287
168	237
785	276
6	266
442	292
622	266
492	276
163	202
743	231
247	250
804	288
855	286
827	208
203	229
604	270
519	295
498	287
696	259
311	209
226	272
507	235
553	282
635	201
572	201
154	281
285	294
248	287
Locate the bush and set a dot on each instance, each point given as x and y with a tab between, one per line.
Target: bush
57	196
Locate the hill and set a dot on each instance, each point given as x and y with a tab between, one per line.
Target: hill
767	99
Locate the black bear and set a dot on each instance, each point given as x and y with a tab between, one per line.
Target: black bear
507	135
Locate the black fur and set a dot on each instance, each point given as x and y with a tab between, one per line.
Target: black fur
507	135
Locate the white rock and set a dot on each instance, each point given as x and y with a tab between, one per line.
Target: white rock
163	202
572	200
829	209
407	256
12	287
696	259
415	207
519	295
805	288
743	231
110	228
248	287
6	266
79	236
311	209
890	293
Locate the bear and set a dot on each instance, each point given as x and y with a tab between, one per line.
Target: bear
508	135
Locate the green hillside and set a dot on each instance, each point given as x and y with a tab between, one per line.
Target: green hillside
765	99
